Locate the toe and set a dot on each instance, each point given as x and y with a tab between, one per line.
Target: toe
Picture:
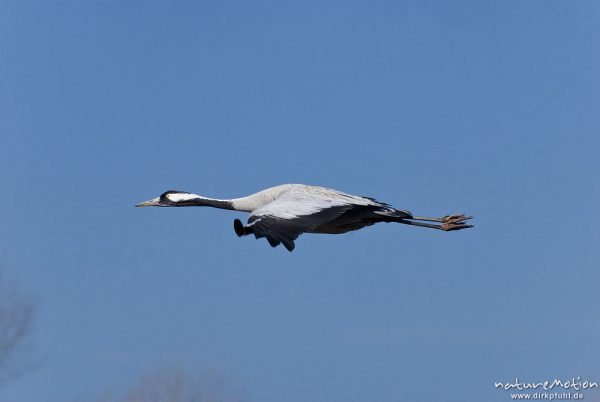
455	226
458	218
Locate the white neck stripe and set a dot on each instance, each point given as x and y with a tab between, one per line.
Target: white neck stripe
180	197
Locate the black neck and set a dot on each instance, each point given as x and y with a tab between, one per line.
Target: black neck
205	202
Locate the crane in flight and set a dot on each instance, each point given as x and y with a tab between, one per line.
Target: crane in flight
282	213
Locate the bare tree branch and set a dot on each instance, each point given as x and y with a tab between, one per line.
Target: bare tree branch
16	317
175	385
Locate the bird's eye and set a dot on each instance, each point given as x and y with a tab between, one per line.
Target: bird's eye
163	195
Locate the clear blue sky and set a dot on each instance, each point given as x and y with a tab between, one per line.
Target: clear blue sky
484	107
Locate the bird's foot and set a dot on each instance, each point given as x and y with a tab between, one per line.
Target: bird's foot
455	222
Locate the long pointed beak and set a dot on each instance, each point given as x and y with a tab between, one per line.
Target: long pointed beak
155	202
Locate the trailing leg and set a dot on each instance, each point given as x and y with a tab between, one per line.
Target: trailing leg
448	222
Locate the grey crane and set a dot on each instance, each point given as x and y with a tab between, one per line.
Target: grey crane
282	213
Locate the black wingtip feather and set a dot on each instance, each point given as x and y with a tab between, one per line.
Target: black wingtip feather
238	226
289	244
273	242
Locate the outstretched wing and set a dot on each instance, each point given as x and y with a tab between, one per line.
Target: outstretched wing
297	212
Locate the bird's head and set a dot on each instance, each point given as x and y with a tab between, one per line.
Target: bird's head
171	198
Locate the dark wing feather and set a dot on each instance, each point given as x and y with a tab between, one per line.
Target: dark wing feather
283	230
